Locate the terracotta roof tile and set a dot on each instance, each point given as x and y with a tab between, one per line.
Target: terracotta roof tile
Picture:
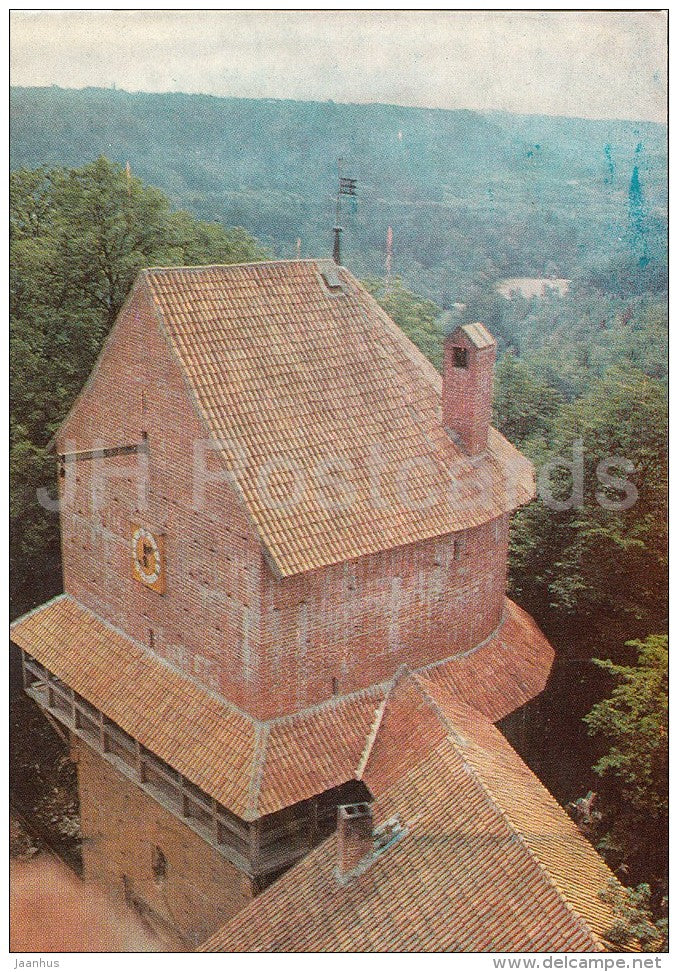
571	861
489	861
349	387
256	768
210	743
503	673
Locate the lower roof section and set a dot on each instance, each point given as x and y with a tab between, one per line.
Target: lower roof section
254	768
485	858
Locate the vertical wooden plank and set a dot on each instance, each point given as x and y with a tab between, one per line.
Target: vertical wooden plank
184	800
215	822
255	843
102	731
140	761
313	829
24	675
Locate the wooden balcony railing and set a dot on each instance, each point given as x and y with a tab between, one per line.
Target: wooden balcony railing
257	847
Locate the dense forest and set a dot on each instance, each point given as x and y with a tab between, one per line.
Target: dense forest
465	193
580	385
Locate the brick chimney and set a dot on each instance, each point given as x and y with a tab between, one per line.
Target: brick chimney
469	353
355	836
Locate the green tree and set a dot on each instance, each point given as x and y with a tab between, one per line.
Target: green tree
634	919
612	560
603	559
634	719
633	722
78	238
524	404
417	317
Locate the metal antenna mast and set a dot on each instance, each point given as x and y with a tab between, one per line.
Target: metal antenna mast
347	187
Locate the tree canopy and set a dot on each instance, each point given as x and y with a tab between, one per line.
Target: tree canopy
78	237
633	721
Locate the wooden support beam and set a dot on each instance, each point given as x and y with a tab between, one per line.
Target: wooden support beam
57	728
184	800
102	732
253	848
255	843
140	761
215	822
314	821
105	453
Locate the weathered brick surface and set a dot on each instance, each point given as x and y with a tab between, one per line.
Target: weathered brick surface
358	622
270	646
467	393
121	828
206	622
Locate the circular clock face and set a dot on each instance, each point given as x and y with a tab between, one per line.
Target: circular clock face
146	554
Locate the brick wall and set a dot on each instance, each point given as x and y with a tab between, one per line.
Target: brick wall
467	392
270	646
207	620
122	827
359	621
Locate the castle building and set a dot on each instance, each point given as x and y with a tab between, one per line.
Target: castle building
284	543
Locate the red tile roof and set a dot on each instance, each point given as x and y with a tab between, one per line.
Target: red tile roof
250	767
488	861
504	672
290	375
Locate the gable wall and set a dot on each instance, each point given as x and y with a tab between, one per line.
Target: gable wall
206	622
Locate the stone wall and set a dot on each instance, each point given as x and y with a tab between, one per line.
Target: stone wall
137	850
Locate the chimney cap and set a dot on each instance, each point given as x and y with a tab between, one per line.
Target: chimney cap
476	333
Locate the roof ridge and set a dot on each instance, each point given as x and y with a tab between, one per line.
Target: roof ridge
262	735
532	853
450	726
327	704
376	725
247	263
457	741
29	614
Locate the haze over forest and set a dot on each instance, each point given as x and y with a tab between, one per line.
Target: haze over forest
465	192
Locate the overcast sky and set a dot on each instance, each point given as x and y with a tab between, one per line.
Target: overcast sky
593	64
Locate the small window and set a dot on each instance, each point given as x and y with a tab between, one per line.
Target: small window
151	638
456	549
460	358
159	866
335	686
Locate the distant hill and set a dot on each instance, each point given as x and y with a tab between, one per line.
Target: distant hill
466	193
